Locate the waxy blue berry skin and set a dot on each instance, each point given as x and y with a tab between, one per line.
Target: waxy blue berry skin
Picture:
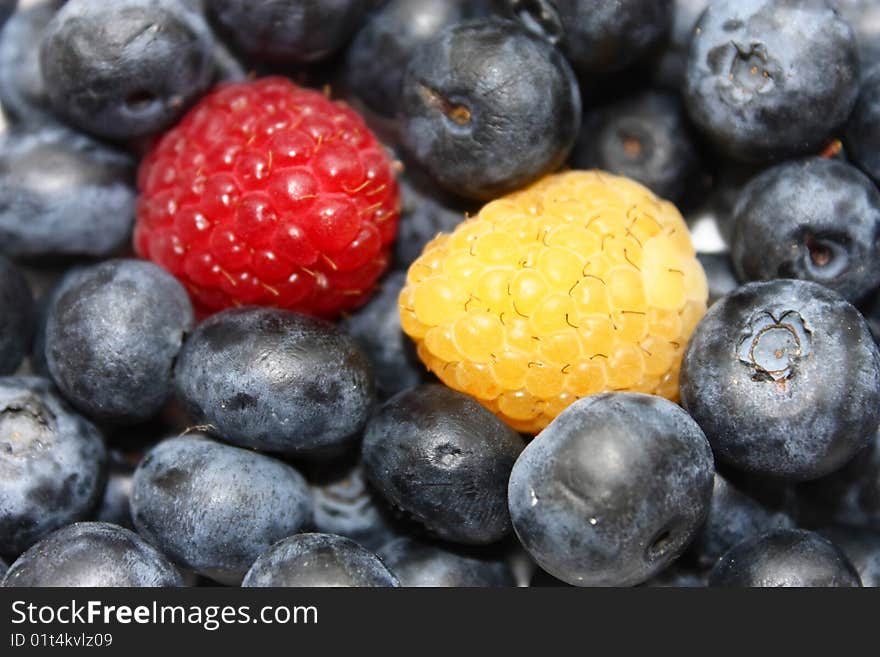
613	490
215	508
759	82
784	378
17	317
53	463
466	89
824	216
93	554
319	560
444	461
418	563
785	558
275	380
112	337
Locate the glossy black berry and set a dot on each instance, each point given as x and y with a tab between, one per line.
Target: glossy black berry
815	219
444	460
92	554
760	82
319	560
613	490
785	558
784	379
488	107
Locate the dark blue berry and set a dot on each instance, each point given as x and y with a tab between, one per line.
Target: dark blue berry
275	380
645	138
92	554
376	329
380	52
286	32
22	89
864	18
677	576
613	490
319	560
215	508
785	558
862	135
598	37
125	69
771	78
670	68
733	517
444	460
488	107
784	378
862	547
53	463
17	317
815	219
719	274
115	505
112	336
62	194
420	564
345	505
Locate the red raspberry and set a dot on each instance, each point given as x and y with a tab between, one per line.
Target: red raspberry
269	194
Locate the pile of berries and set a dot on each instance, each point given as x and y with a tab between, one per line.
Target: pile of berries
439	293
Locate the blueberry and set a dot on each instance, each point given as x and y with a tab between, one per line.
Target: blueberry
112	336
444	460
613	490
759	80
598	37
275	380
215	508
421	564
287	32
677	576
645	138
345	505
864	18
380	52
784	378
92	554
311	560
861	547
719	274
53	463
7	8
424	213
115	505
488	107
125	69
22	89
17	316
785	558
849	496
670	68
376	329
814	219
862	135
38	362
62	194
733	517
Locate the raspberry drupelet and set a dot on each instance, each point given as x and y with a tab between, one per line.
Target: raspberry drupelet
269	194
584	282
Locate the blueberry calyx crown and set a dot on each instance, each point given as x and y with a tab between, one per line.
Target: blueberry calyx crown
773	346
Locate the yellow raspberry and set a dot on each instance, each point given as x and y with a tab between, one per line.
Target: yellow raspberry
582	283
